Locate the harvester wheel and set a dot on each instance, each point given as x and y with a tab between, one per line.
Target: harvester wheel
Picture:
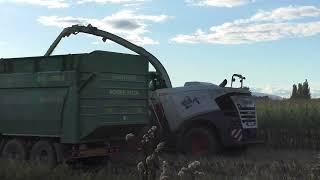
14	149
43	153
200	141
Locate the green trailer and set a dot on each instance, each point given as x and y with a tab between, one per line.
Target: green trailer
75	98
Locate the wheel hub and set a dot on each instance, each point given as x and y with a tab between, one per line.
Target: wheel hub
199	144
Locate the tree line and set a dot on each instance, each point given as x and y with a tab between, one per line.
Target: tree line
302	91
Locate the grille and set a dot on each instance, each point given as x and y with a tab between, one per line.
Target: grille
247	111
248	116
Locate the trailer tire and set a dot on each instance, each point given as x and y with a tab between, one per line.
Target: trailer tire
43	153
14	149
200	141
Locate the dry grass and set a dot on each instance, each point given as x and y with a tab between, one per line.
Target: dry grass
255	164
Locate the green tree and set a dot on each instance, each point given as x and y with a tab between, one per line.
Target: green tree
300	91
306	90
294	94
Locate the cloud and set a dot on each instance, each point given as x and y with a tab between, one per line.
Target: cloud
47	3
125	2
125	23
282	92
286	14
67	3
315	93
263	26
219	3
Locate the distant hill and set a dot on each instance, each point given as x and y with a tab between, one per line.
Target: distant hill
270	96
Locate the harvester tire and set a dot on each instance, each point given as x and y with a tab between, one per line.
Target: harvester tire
14	149
200	142
43	153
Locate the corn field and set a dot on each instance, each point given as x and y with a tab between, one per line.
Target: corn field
289	123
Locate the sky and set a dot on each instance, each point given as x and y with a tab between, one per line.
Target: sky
274	43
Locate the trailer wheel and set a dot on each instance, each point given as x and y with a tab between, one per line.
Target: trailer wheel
200	141
43	153
14	149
